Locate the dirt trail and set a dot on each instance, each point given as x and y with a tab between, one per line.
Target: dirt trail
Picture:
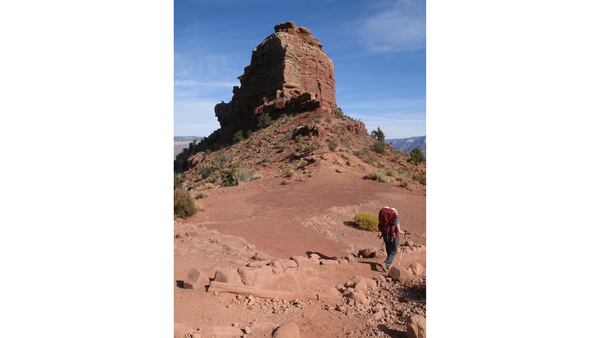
279	221
310	216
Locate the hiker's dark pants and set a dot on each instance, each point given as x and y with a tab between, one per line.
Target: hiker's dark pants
391	247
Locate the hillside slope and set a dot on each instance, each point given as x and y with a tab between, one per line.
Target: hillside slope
407	144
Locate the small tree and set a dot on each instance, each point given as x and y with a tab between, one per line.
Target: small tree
264	121
378	135
416	156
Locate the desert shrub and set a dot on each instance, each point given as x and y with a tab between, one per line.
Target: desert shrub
378	176
229	177
264	121
184	205
416	156
245	175
238	136
206	186
178	181
402	183
332	144
221	161
366	220
287	171
302	163
337	111
379	147
200	195
306	147
206	171
419	178
389	172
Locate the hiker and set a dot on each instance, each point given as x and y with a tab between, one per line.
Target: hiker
389	226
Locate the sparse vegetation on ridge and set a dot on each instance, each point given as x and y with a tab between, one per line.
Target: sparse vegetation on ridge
416	156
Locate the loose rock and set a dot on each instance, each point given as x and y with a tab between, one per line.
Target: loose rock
287	330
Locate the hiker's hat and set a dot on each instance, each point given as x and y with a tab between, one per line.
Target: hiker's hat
395	211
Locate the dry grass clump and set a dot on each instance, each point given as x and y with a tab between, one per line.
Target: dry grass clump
366	220
378	176
206	186
184	204
287	171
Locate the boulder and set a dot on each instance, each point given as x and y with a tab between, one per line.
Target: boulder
357	296
303	261
368	252
284	264
417	269
227	276
400	274
195	280
415	326
255	276
287	330
362	284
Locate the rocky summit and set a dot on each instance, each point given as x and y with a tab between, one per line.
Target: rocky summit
289	72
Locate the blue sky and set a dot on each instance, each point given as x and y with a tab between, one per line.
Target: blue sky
377	48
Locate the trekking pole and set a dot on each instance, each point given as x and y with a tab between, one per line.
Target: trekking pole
400	248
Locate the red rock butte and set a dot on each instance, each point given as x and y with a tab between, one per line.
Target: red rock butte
289	73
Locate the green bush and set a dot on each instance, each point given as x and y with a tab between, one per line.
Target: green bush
184	205
379	147
239	136
366	220
264	121
206	171
178	181
416	156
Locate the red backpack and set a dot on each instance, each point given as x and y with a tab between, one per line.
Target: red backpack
387	218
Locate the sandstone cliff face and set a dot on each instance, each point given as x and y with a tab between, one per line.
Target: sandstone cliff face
289	72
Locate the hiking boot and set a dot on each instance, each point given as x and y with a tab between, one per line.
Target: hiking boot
385	267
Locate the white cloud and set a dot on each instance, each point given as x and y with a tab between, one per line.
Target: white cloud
396	27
